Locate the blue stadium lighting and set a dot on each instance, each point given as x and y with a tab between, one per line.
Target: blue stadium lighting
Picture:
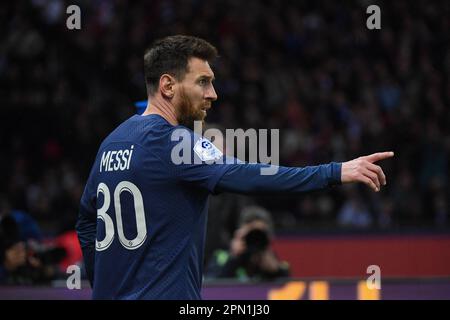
140	106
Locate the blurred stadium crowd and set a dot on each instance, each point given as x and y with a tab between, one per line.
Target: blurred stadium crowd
312	69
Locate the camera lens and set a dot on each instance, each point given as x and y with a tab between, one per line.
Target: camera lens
257	240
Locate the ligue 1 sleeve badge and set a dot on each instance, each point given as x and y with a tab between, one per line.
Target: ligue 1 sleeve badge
207	151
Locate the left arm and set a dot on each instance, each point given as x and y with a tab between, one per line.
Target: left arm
86	228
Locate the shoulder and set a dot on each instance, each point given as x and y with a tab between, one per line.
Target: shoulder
184	141
145	131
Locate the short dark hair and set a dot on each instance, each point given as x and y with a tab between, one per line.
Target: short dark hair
253	213
170	55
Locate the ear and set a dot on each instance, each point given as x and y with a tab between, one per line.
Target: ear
166	85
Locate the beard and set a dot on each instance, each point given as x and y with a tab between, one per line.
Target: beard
186	113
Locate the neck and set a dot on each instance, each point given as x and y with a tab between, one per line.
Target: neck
158	105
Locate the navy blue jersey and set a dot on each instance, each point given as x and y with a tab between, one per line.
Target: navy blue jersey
142	219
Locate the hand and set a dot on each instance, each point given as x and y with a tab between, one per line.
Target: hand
364	170
267	261
238	246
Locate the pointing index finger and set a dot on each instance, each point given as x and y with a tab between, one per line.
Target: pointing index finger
379	156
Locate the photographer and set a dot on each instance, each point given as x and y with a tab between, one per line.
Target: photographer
24	259
249	255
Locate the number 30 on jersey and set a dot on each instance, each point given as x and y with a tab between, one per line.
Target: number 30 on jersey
130	244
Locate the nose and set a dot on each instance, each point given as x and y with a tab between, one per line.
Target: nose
211	94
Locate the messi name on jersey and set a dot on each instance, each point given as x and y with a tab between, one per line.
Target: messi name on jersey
114	160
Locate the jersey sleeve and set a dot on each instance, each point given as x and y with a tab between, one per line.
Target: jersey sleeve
248	178
194	160
86	225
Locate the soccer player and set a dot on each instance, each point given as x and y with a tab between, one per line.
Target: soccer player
142	215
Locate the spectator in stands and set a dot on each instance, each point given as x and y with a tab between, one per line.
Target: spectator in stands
339	90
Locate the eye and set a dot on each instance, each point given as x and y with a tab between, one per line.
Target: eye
203	82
